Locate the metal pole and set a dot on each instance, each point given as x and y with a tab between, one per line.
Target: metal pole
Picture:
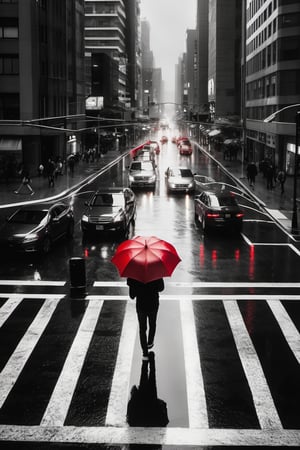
295	215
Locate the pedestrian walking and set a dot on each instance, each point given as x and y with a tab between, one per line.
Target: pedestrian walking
71	164
51	172
26	182
147	304
270	174
251	173
281	177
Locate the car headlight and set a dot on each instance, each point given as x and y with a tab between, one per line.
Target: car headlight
119	218
31	237
131	178
85	218
152	178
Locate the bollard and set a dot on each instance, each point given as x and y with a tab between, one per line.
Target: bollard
77	277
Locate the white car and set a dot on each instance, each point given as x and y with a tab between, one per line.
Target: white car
179	179
142	174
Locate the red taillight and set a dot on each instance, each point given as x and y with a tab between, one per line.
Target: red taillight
239	215
212	215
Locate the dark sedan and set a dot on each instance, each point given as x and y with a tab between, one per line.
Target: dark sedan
218	209
110	210
36	227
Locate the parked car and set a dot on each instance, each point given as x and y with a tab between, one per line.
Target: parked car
110	210
185	147
218	209
36	227
179	179
142	174
202	182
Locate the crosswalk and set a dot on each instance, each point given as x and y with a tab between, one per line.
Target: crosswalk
101	333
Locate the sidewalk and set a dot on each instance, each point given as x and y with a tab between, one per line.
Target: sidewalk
62	183
279	206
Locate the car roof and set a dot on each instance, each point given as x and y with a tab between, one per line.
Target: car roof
112	190
41	206
219	192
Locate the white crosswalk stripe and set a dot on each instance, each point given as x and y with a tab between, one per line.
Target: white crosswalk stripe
265	408
116	430
60	400
13	368
8	308
195	388
117	405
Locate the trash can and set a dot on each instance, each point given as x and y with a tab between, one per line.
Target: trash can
77	277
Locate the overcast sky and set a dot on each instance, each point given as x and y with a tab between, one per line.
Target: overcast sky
169	20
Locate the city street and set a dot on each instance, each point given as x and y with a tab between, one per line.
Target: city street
226	354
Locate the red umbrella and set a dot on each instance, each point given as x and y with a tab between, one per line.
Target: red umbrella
145	258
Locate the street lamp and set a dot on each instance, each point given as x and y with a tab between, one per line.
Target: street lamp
270	119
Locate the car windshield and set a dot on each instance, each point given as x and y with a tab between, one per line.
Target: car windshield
184	173
138	165
107	199
28	216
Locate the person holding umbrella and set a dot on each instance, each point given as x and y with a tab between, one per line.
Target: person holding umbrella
147	304
145	261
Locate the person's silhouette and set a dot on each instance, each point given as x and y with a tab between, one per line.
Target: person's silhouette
147	304
144	408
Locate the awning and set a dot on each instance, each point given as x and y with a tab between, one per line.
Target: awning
214	133
10	145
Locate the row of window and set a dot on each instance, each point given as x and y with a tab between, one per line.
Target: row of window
262	37
284	49
262	18
282	83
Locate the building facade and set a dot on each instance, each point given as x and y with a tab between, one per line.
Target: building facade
42	77
272	54
224	56
105	33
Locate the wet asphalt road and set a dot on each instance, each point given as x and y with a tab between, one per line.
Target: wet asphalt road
254	267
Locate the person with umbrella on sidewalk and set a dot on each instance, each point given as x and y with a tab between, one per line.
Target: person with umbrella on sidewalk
145	261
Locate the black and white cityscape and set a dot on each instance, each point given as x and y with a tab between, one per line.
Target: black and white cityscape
149	224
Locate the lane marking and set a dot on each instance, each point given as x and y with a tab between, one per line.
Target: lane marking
277	214
151	436
119	394
32	296
197	407
31	283
202	297
17	361
8	308
262	398
289	330
61	397
294	249
200	284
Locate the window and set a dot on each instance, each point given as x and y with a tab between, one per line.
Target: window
288	48
289	20
9	65
9	28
